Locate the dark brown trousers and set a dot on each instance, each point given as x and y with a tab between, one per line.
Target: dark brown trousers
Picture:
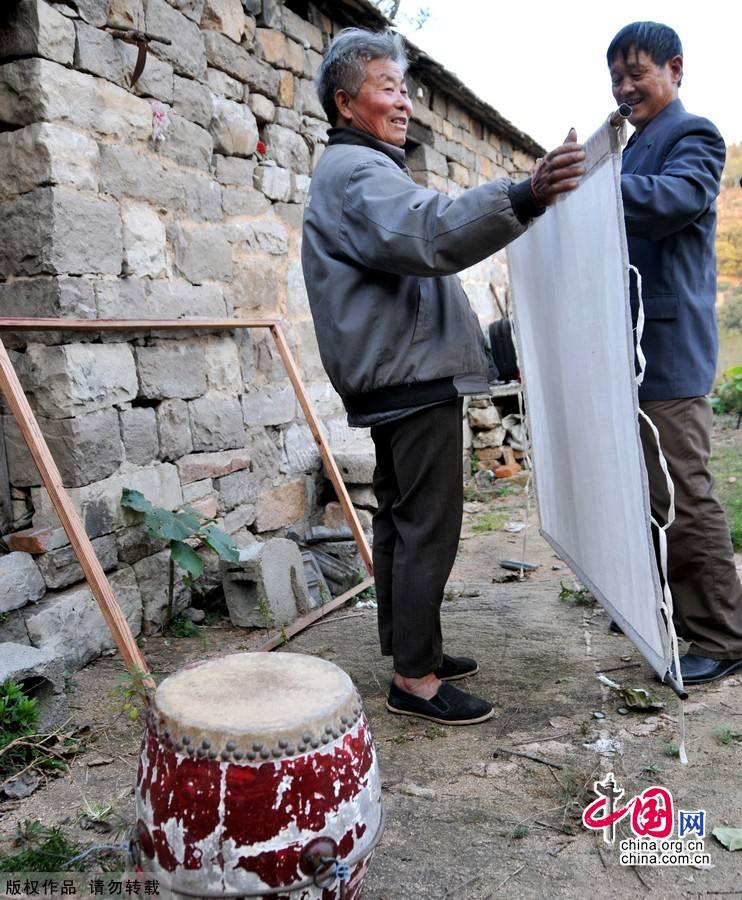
418	484
706	590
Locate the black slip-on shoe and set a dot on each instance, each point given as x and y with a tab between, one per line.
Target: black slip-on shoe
449	706
454	667
702	669
615	627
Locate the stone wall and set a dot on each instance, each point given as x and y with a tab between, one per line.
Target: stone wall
180	197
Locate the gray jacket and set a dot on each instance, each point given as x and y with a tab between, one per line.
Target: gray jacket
393	324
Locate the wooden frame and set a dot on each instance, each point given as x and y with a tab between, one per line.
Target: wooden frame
68	516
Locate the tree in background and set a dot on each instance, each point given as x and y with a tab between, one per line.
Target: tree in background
391	9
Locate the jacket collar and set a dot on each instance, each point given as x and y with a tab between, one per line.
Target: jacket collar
639	143
361	139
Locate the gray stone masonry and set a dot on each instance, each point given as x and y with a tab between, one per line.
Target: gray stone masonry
157	78
282	506
287	149
20	581
233	128
274	182
192	101
85	448
237	489
233	59
202	254
139	434
356	463
257	286
144	241
174	429
186	53
216	422
221	83
71	624
60	568
269	405
171	369
125	172
152	575
43	672
226	16
268	587
33	28
197	466
187	143
50	297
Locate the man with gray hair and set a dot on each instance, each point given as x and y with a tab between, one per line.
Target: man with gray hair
401	344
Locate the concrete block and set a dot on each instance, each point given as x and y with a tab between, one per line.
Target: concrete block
226	86
20	581
192	100
174	429
287	149
281	506
356	463
41	674
71	624
144	241
171	369
270	405
43	154
268	587
139	433
152	575
202	253
85	448
60	568
198	466
56	230
226	16
73	379
33	28
233	127
186	53
216	422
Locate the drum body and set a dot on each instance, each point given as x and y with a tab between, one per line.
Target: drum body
246	760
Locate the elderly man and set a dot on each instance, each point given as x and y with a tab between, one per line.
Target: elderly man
670	179
401	344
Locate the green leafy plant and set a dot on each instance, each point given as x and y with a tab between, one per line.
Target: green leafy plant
671	750
182	627
519	832
180	528
576	596
488	522
36	848
724	734
19	715
134	692
728	398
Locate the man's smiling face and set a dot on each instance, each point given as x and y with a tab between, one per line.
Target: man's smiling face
645	86
381	107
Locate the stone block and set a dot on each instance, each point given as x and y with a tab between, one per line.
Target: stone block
48	297
245	201
356	463
60	568
125	172
41	673
171	369
222	360
288	118
187	143
233	128
55	230
197	490
35	90
237	490
232	170
334	517
33	28
324	399
31	540
488	417
139	434
274	182
287	149
20	581
192	101
186	53
144	241
222	53
262	78
85	448
78	378
157	78
281	506
203	198
238	518
152	574
71	624
226	16
309	359
99	503
296	290
198	466
262	108
490	457
300	453
362	497
226	86
172	299
96	52
264	455
266	234
216	422
174	429
270	405
425	158
43	154
281	51
202	253
302	31
268	587
95	12
492	437
135	542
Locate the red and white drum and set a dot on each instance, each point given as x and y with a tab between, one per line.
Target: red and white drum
256	770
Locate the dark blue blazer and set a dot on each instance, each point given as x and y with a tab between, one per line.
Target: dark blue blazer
670	177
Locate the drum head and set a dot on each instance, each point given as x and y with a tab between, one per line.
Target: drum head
251	706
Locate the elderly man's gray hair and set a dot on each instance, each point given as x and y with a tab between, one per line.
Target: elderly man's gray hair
344	65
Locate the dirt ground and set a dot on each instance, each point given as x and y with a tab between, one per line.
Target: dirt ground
463	819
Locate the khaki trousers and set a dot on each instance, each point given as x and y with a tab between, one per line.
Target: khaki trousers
707	594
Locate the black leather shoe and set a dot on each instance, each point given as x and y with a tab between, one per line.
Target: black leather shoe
450	706
454	667
702	670
615	627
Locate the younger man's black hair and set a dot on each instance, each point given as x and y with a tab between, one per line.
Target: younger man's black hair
658	41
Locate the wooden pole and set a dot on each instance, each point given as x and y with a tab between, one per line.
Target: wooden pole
315	427
99	584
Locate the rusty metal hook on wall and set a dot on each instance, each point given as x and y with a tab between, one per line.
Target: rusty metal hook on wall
141	39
